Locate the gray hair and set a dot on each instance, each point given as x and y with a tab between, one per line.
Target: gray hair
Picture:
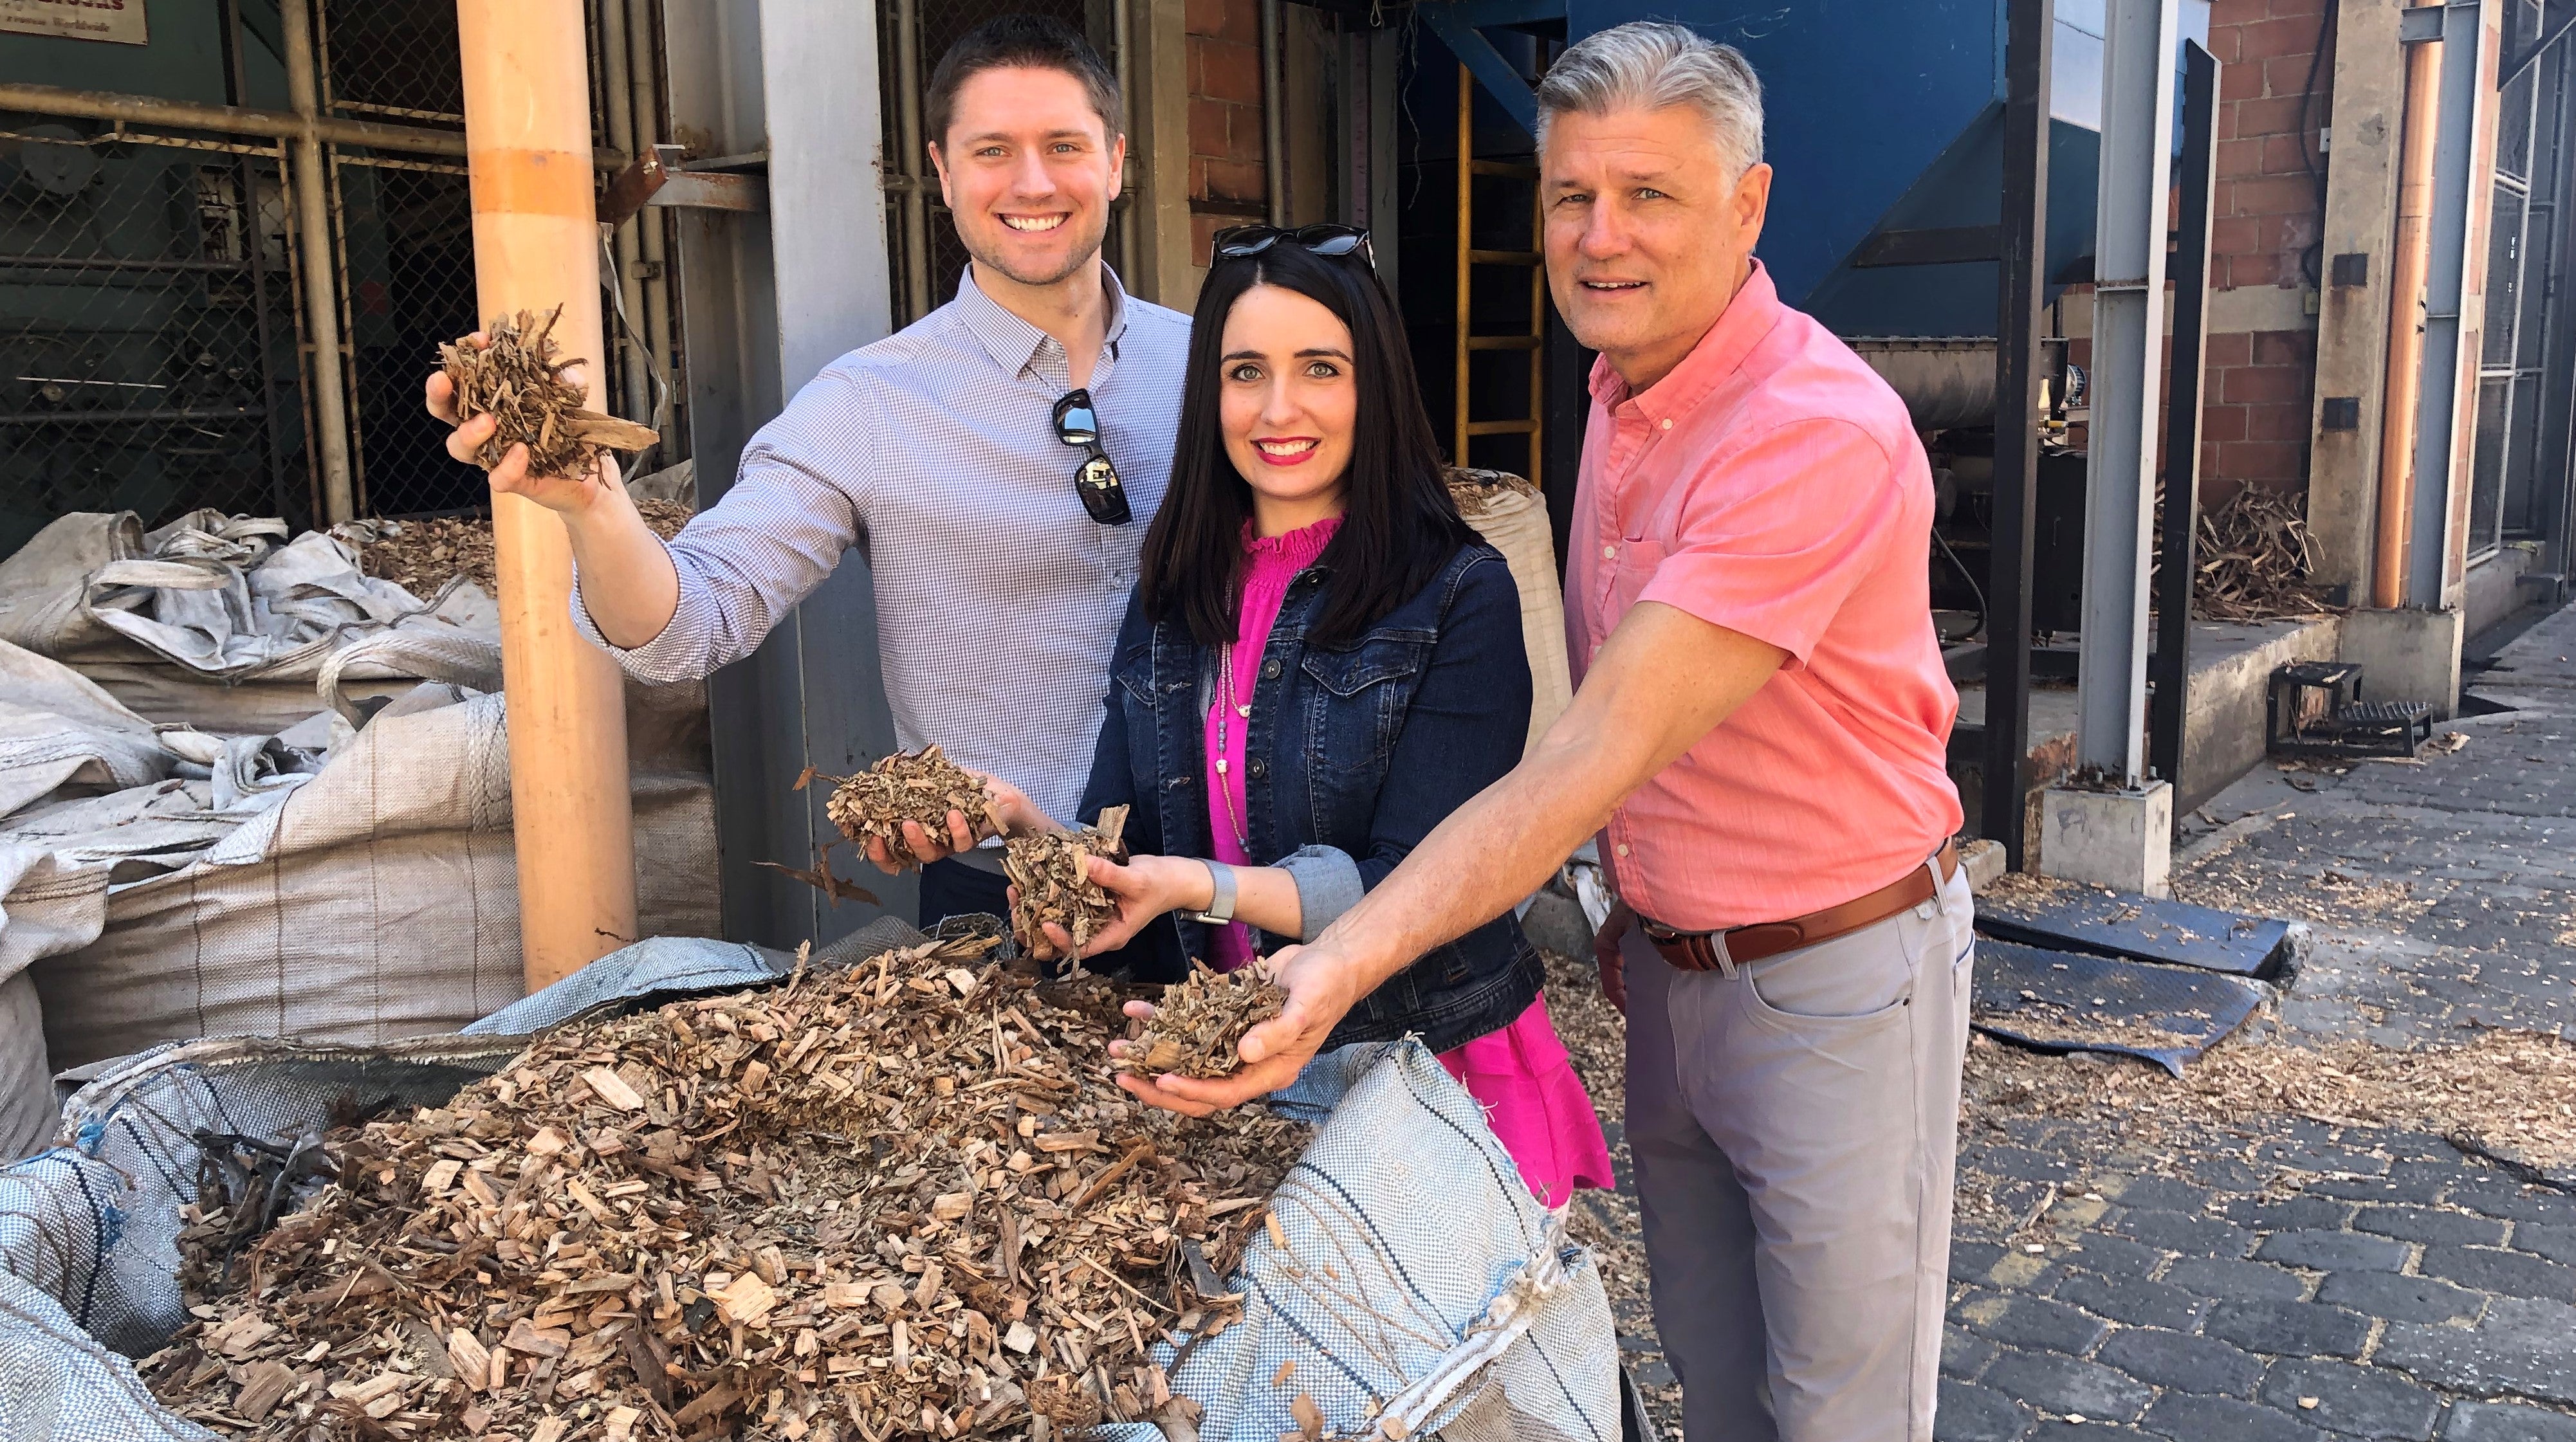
1651	65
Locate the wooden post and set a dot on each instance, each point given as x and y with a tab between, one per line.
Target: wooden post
536	246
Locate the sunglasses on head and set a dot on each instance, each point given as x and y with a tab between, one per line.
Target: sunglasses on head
1104	496
1236	242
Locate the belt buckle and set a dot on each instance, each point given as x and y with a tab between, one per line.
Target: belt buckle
1657	932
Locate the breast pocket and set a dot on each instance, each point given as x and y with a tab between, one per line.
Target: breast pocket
1631	569
1358	700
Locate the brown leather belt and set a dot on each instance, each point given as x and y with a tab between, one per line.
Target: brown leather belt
1724	951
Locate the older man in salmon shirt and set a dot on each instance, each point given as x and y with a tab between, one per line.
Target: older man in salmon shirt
1759	741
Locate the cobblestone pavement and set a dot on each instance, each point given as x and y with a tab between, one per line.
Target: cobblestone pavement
2280	1279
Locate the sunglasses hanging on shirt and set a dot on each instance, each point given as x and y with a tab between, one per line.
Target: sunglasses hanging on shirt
1325	239
1104	496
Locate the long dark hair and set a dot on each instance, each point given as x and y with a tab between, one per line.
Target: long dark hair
1399	525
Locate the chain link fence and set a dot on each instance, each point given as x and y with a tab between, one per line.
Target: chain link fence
155	346
148	337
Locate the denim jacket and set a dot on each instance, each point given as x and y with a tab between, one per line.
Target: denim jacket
1354	754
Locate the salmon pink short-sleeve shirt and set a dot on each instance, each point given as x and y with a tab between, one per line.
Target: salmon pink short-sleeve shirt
1772	484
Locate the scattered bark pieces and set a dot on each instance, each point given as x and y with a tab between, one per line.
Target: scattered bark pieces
865	1203
518	378
1052	871
1198	1026
918	786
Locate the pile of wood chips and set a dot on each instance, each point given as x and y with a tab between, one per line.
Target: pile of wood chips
918	786
1199	1024
2254	558
517	377
897	1199
1053	873
422	555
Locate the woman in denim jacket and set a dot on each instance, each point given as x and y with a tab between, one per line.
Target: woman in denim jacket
1320	662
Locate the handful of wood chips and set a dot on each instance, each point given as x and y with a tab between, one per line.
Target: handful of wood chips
919	786
518	378
899	1199
1197	1028
1053	873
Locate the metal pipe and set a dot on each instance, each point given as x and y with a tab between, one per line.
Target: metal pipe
644	82
625	245
2408	258
2022	273
67	103
2128	354
536	246
1274	96
255	258
908	140
2190	269
313	226
2447	402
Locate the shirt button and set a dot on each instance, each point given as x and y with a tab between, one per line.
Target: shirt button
1609	553
1257	768
1622	848
1666	423
1270	670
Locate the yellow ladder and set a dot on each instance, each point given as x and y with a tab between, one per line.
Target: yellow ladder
1529	260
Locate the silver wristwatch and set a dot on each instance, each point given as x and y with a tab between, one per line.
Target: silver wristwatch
1221	910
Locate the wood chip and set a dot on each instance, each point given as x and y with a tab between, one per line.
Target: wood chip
1197	1028
921	787
1052	871
613	1089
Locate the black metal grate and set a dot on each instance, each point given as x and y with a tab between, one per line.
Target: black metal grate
147	329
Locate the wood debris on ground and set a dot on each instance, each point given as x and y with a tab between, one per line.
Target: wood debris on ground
918	786
2254	559
422	555
2510	1095
898	1199
1198	1025
517	377
1052	871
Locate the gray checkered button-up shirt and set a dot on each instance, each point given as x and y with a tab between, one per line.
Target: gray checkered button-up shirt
933	452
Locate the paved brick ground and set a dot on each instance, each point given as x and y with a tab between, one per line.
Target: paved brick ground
2287	1279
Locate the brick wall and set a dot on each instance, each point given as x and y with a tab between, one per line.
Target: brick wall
2263	227
1227	183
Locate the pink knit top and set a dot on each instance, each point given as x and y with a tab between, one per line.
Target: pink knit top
1537	1105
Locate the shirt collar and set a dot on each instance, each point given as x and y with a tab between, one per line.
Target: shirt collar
1016	345
1748	317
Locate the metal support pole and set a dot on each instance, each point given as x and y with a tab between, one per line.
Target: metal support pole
2175	563
2128	358
536	246
1274	102
255	256
626	245
2022	286
2442	402
643	78
313	233
910	141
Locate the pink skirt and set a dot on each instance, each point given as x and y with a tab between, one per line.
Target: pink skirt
1536	1104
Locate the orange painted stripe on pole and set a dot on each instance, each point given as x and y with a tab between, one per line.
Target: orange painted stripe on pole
532	182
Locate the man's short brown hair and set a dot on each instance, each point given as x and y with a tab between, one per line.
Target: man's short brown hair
1032	41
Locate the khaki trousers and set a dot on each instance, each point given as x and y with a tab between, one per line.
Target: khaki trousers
1794	1129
